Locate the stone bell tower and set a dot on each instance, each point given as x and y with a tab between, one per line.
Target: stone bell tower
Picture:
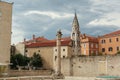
75	37
57	58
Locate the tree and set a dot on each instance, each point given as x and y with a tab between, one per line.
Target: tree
118	52
18	60
36	60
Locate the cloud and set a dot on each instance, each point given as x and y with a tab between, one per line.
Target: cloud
53	15
44	17
66	32
107	19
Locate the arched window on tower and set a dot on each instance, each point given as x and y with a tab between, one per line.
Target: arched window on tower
73	34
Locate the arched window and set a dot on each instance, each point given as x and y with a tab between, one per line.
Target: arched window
110	49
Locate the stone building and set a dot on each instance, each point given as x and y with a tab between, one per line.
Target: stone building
5	31
75	37
47	50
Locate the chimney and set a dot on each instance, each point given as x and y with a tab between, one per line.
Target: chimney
24	39
33	36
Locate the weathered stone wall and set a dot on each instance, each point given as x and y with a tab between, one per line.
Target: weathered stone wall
5	31
14	73
91	66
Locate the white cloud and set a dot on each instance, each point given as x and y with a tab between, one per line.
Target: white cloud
107	19
53	15
65	31
17	32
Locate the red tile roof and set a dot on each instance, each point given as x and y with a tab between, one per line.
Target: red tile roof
38	39
112	34
90	38
48	44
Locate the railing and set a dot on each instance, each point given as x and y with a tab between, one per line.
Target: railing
29	78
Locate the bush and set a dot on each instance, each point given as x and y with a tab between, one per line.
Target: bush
18	60
118	52
36	61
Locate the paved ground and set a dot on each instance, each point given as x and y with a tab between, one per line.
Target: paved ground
46	78
79	78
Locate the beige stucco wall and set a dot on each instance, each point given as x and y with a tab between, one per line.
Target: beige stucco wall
20	48
5	31
65	51
46	54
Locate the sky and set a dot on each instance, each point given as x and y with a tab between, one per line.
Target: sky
45	17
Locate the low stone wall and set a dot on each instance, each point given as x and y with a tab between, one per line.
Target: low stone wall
91	66
14	73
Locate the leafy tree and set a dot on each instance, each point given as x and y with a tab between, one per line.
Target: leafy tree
18	60
36	60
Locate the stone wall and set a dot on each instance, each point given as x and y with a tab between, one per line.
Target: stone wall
14	73
5	31
91	66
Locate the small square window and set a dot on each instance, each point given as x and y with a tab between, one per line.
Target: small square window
117	48
63	49
56	50
117	39
110	40
38	50
26	50
103	49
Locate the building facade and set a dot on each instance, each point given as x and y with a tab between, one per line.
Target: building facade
89	45
5	31
110	43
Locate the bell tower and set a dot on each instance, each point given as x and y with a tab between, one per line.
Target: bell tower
75	37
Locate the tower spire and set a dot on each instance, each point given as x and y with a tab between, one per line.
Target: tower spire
75	21
75	36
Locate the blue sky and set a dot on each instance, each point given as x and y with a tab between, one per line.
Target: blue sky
45	17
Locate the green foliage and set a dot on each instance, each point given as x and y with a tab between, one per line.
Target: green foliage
93	54
100	54
118	52
36	60
18	60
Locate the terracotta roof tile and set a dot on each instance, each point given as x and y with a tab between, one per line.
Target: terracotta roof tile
112	34
48	44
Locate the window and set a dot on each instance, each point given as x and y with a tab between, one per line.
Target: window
63	56
55	58
110	49
56	50
103	49
26	50
117	48
84	45
38	50
110	40
102	41
91	45
63	49
117	39
96	45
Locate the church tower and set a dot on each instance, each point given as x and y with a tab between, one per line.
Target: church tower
75	37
